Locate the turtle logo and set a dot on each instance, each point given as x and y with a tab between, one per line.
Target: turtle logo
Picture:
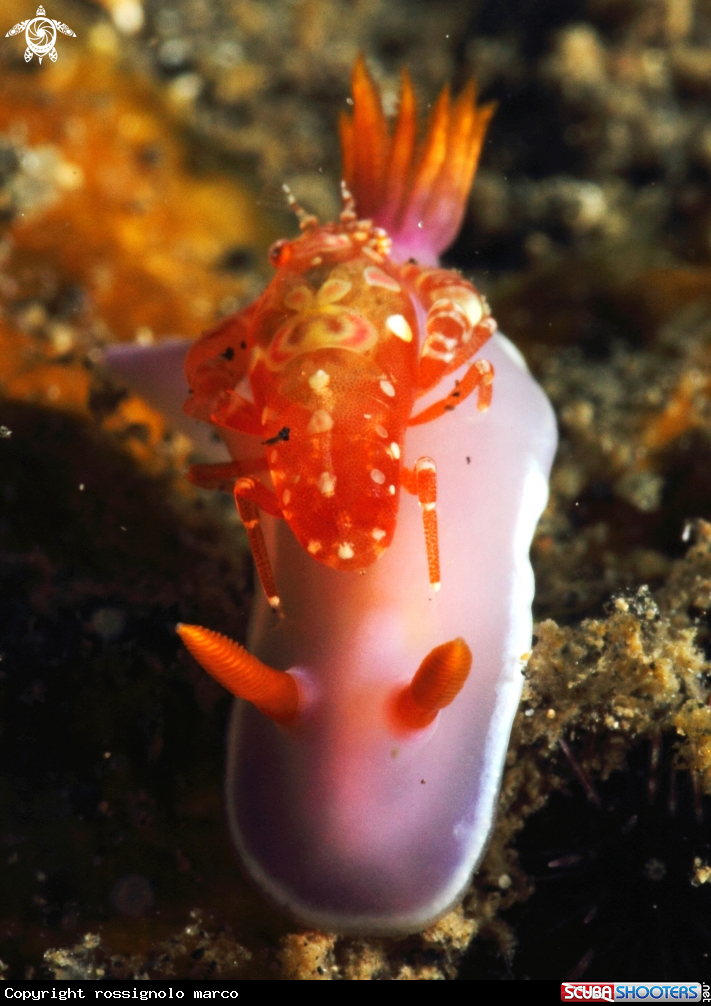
40	34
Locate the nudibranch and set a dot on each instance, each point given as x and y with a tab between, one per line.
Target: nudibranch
374	707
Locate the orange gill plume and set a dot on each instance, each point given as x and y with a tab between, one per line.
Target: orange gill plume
275	693
416	191
437	682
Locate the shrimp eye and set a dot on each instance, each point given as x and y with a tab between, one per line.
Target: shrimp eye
280	252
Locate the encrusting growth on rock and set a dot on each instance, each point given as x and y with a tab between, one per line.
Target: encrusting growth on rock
617	680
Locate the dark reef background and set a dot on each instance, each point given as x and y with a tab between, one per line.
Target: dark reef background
140	186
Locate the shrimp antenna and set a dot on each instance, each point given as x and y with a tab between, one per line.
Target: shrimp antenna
348	213
306	220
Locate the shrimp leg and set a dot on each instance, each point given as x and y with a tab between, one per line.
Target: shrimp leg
421	481
251	496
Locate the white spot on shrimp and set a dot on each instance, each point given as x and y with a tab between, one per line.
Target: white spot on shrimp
382	432
336	241
376	277
327	484
436	354
377	476
345	550
378	533
394	451
333	290
397	324
320	422
446	342
319	381
316	260
299	298
372	254
391	490
472	307
387	389
313	547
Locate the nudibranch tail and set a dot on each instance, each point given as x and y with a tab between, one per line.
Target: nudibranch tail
437	682
274	693
418	193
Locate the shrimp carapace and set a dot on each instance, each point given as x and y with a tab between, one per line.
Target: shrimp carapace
327	366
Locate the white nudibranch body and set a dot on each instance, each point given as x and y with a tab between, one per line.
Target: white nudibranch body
350	826
383	667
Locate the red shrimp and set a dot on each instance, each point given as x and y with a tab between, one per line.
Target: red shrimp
326	367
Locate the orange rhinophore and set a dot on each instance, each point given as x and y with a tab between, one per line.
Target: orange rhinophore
439	679
274	693
356	326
